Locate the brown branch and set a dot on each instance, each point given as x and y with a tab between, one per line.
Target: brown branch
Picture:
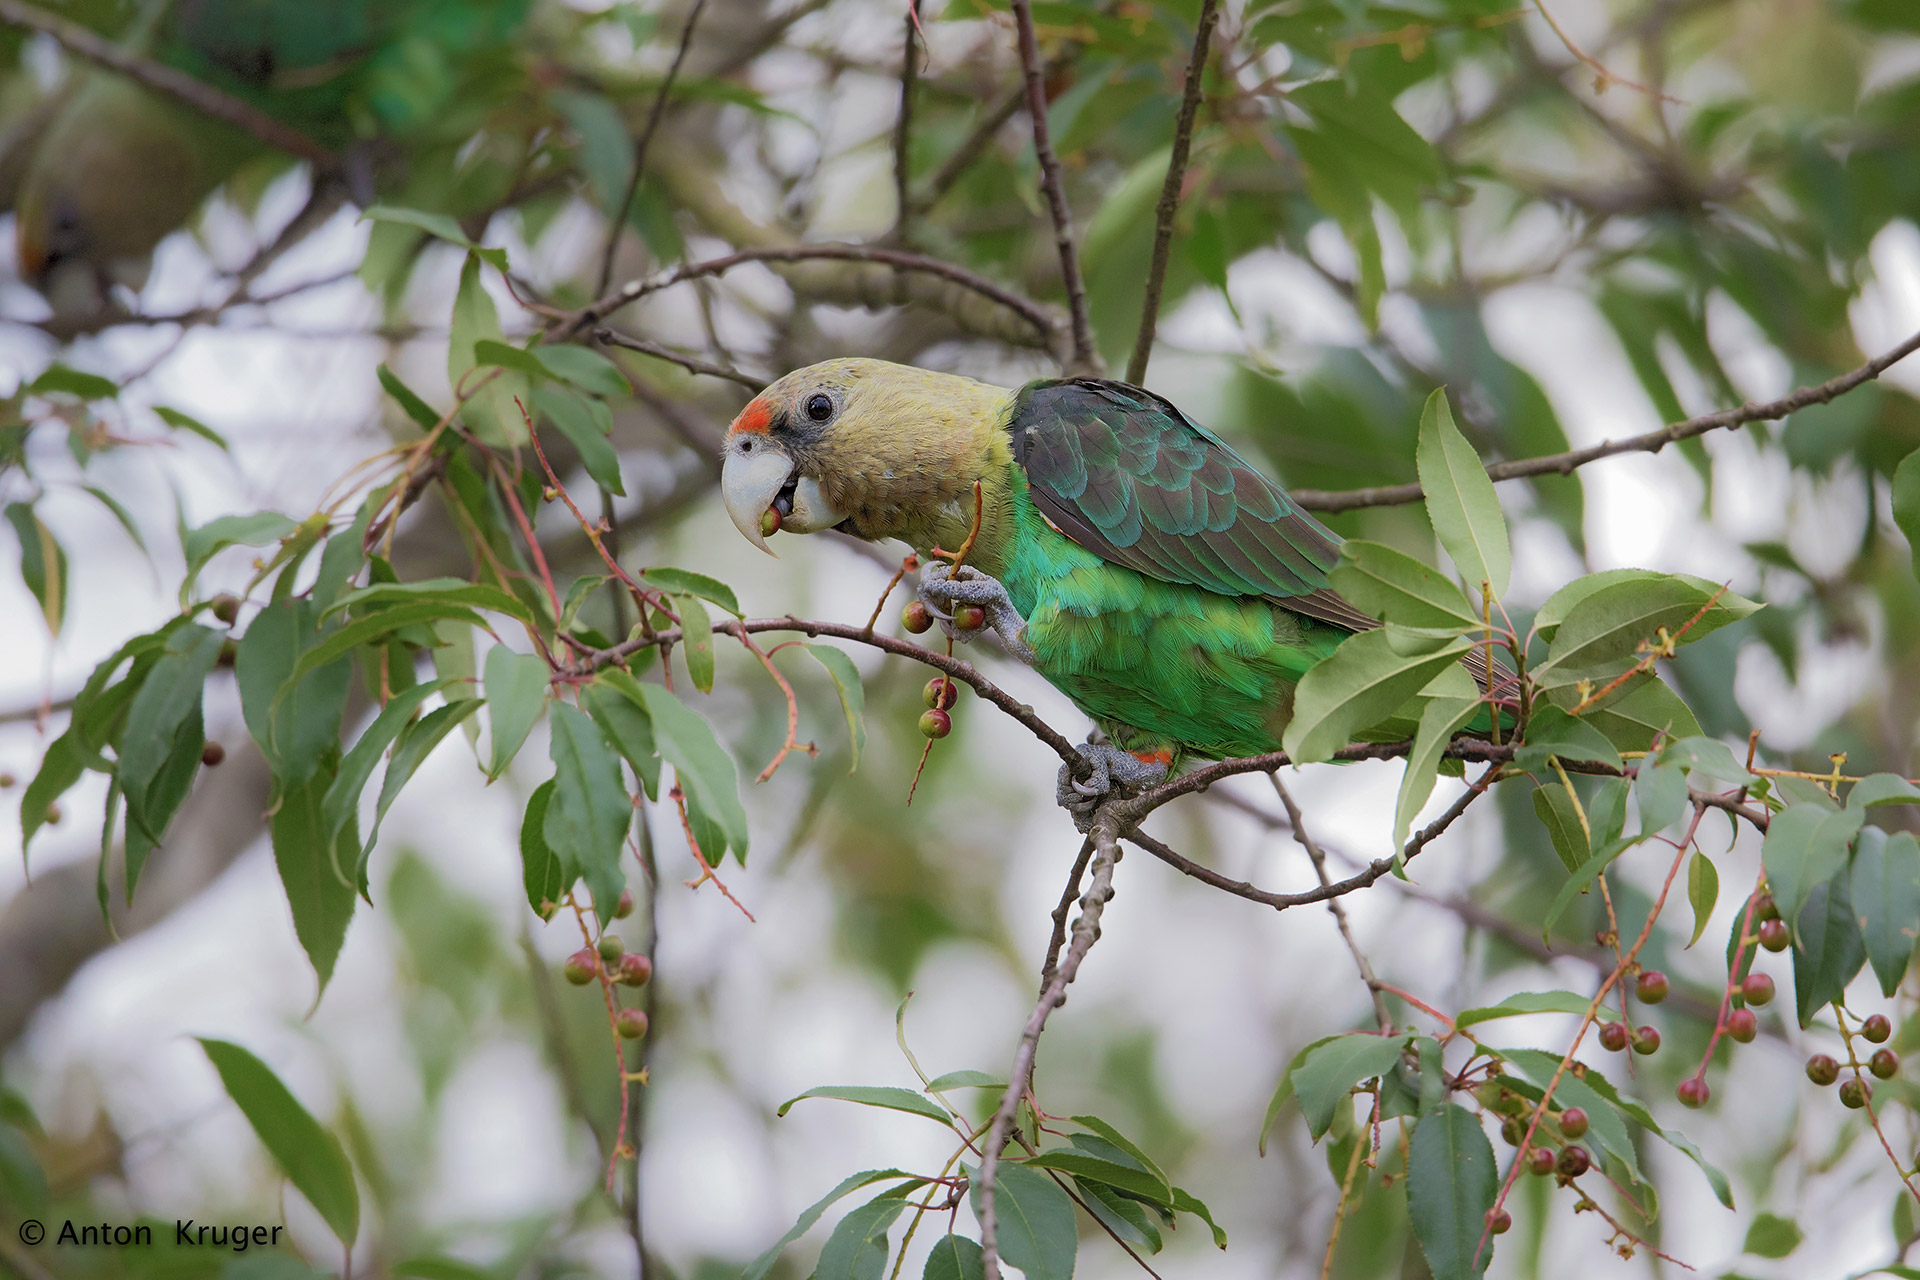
199	95
1106	845
1045	323
693	364
1339	913
1170	194
641	147
970	148
1067	895
902	128
1651	442
1086	359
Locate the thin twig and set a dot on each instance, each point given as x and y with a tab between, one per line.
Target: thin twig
640	148
1170	193
902	129
1067	895
1086	359
1651	442
162	79
693	364
1339	913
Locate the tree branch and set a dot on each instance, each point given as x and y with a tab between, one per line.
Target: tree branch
1086	359
1651	442
1170	194
164	80
902	129
693	364
641	147
1339	913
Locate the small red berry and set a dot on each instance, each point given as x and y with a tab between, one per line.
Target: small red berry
916	617
1822	1069
623	908
1613	1037
1499	1221
1742	1025
1885	1064
635	969
1763	907
1693	1092
1573	1122
969	617
1855	1093
1757	989
1646	1040
1774	935
226	608
581	966
940	693
611	948
1540	1160
1573	1162
1876	1029
212	754
1653	986
936	724
630	1023
769	522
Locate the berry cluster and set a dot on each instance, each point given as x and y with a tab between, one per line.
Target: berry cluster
941	692
1855	1092
609	960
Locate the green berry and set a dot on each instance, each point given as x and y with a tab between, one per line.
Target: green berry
1885	1064
1512	1131
581	967
940	693
635	970
1646	1040
623	908
1693	1092
226	608
1573	1122
1742	1025
1774	935
769	522
611	948
1613	1037
1822	1069
1757	989
1652	987
1763	907
916	617
1855	1093
1876	1029
630	1023
936	724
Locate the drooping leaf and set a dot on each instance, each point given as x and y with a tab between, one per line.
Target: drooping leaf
955	1258
857	1249
1037	1232
490	410
1558	813
409	401
1806	845
1394	587
1906	503
1355	687
163	728
585	368
591	812
762	1265
1440	719
317	870
43	565
617	706
1460	499
542	871
876	1096
853	699
59	379
585	423
1128	1219
202	544
415	744
1451	1181
293	720
1886	893
696	640
1283	1091
1330	1070
687	582
1828	948
1107	1172
312	1158
343	794
705	770
1703	890
516	685
60	768
1582	877
1660	793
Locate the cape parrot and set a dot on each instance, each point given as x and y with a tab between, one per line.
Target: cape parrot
1148	571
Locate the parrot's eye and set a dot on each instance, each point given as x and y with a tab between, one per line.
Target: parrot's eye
819	408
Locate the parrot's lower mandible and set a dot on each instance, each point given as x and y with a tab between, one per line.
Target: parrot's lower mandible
1147	570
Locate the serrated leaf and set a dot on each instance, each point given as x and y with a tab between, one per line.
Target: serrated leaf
1828	949
687	582
585	423
312	1158
542	871
955	1258
1525	1002
1329	1072
760	1266
202	544
1805	846
1394	587
853	698
1451	1182
705	771
1359	684
1703	890
1885	892
591	812
1460	499
875	1096
857	1249
516	685
1037	1232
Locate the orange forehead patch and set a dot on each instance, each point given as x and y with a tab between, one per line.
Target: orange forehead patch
755	417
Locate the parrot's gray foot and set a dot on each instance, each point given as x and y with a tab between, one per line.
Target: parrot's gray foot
942	589
1112	768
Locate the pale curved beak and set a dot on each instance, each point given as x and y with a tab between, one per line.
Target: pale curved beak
748	485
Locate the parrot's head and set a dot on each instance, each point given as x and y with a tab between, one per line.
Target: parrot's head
882	450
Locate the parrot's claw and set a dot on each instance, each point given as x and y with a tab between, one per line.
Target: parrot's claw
1112	768
942	587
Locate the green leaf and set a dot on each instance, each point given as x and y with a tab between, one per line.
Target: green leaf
1127	1150
1608	626
23	1183
1886	894
1772	1236
1284	1090
163	728
541	869
1130	1220
423	1266
1713	759
59	379
343	795
1451	1182
294	720
118	512
1358	685
696	632
1107	1172
955	1258
966	1079
439	225
591	811
687	582
585	368
1828	948
1440	719
875	1096
433	590
43	564
516	685
853	698
1460	499
60	768
1185	1202
1524	1003
1906	503
490	409
507	356
312	1158
705	770
316	869
416	743
1037	1232
1394	587
585	423
1330	1070
760	1266
409	401
1703	890
1882	788
1555	808
175	418
1552	732
1806	845
202	544
857	1249
1582	878
614	702
1636	715
1660	792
